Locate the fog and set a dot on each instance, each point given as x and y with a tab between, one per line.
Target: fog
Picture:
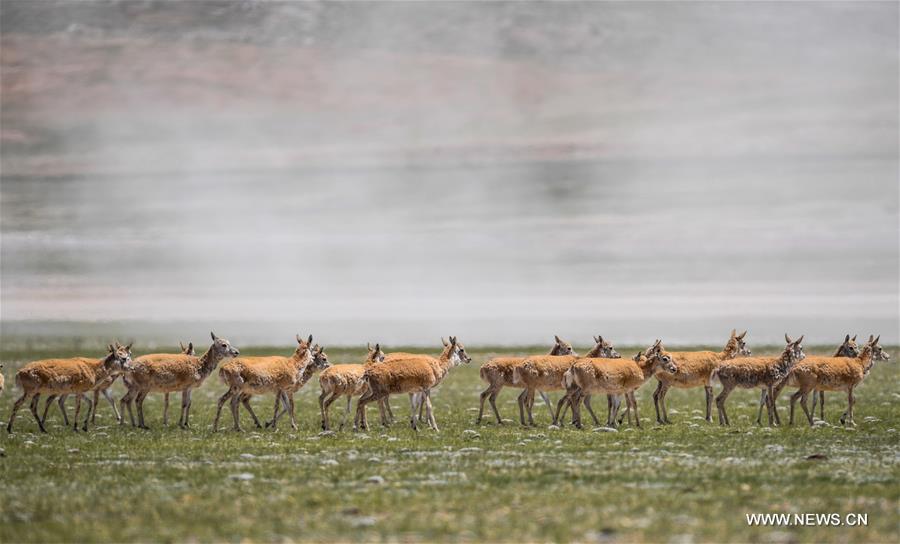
399	171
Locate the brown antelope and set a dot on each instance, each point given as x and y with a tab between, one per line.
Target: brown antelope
417	375
834	374
344	380
695	369
848	348
615	377
103	387
602	349
546	373
498	373
756	372
75	376
248	376
171	372
286	398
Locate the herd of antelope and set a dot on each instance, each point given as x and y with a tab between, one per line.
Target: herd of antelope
601	370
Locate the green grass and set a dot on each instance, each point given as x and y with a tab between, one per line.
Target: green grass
689	479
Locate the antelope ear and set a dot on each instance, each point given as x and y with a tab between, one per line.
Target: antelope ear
558	340
181	345
871	337
128	347
600	339
854	338
846	338
190	347
309	340
596	341
876	339
800	340
111	348
213	335
444	342
453	340
733	333
299	340
377	347
788	339
742	335
369	346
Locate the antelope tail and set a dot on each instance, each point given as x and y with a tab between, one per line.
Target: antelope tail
516	376
362	384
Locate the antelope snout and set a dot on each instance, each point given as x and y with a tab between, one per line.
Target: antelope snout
234	351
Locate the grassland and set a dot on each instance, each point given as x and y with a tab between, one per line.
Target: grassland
690	481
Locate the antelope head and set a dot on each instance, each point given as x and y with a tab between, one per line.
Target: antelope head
304	347
375	354
187	350
118	358
561	347
794	349
604	349
222	347
655	348
661	360
319	359
736	345
456	351
878	354
849	348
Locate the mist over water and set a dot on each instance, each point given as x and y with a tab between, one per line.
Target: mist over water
397	172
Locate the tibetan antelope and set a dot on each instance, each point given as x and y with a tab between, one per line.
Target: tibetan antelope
615	377
344	380
498	373
602	349
171	372
320	362
248	376
848	348
417	375
834	374
103	387
546	373
756	372
695	369
76	376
